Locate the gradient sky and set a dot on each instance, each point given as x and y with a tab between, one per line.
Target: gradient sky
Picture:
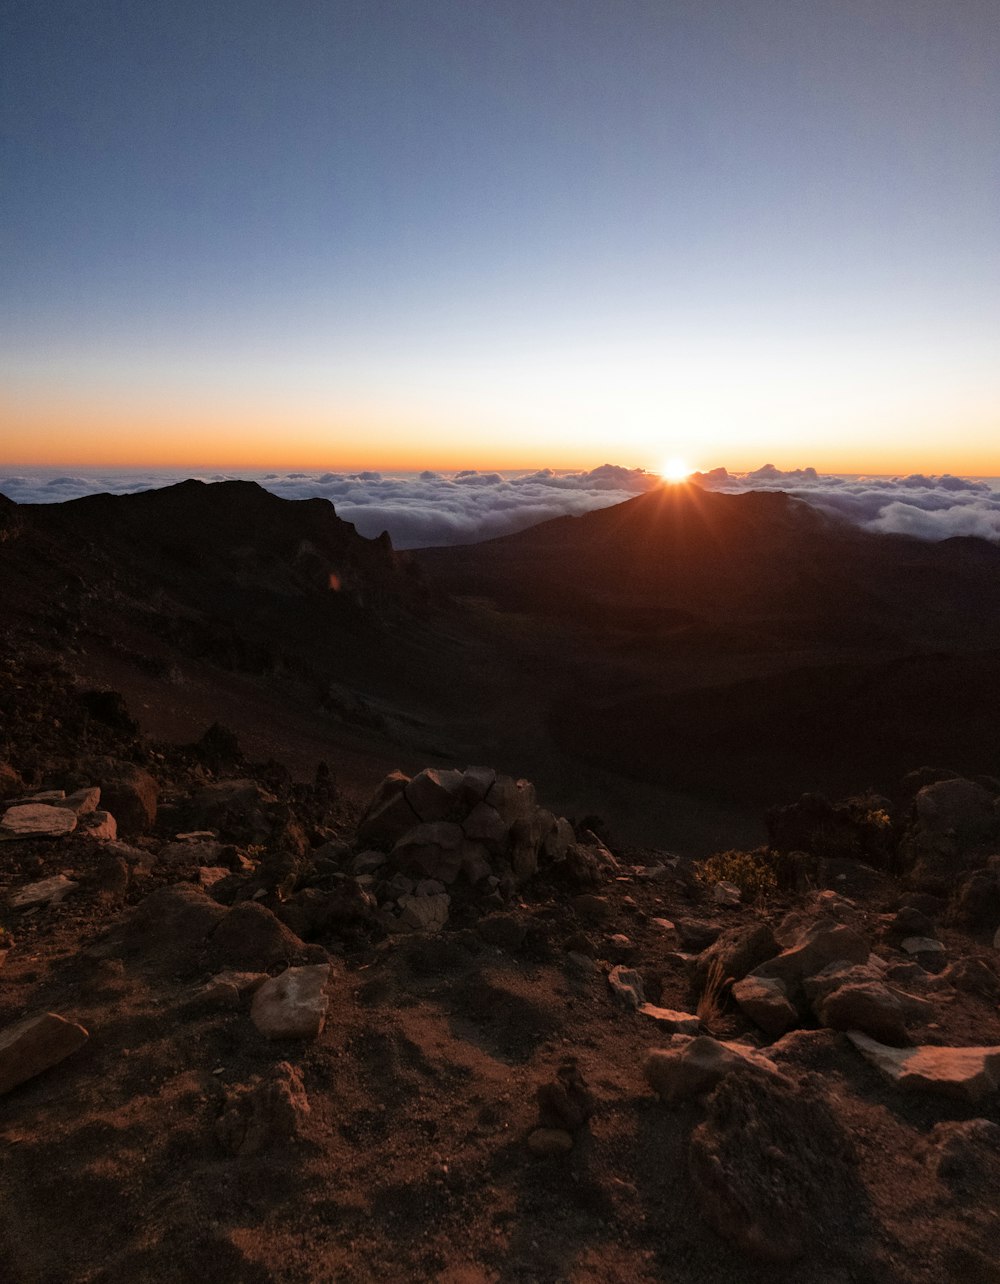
502	234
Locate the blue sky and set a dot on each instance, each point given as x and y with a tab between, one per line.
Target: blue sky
502	233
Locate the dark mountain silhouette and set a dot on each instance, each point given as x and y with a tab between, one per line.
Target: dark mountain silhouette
677	660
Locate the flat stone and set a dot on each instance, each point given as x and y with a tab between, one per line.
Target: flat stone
921	945
208	875
83	801
293	1004
965	1074
668	1019
37	820
50	891
34	1045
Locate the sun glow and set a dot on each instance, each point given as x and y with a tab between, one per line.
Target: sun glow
675	470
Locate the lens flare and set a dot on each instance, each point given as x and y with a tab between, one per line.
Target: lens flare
675	470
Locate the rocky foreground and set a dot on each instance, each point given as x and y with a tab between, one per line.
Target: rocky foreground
248	1034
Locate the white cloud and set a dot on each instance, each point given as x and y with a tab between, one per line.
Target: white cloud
932	508
438	508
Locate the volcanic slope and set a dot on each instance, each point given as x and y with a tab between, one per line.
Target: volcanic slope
737	646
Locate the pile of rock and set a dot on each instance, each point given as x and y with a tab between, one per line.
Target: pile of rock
425	838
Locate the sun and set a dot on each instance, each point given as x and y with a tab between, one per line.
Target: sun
675	470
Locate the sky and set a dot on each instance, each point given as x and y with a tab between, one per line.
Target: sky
514	234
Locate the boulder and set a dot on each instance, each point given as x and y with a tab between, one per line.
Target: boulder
49	891
37	820
433	794
772	1169
483	825
765	1001
869	1007
169	927
270	1114
433	849
130	794
250	938
821	945
963	1074
513	799
292	1005
690	1067
477	783
389	815
35	1044
424	913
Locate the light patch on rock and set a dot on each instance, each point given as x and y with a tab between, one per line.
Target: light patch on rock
49	891
37	820
36	1044
966	1074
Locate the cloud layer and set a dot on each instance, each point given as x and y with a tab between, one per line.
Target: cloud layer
418	510
931	508
422	509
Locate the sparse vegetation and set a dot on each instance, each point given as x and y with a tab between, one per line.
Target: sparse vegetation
752	872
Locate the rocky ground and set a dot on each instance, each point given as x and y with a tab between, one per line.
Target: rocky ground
250	1033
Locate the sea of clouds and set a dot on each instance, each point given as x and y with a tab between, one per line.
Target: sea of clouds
428	508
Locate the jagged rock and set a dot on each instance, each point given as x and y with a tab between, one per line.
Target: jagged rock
435	849
475	863
433	794
772	1168
513	799
82	801
545	1143
965	1074
37	820
424	913
726	894
558	836
566	1101
389	815
821	945
909	921
292	1005
879	982
690	1067
100	825
49	891
626	987
33	1045
131	795
671	1020
209	875
250	938
734	953
957	807
483	825
477	783
765	1001
270	1114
